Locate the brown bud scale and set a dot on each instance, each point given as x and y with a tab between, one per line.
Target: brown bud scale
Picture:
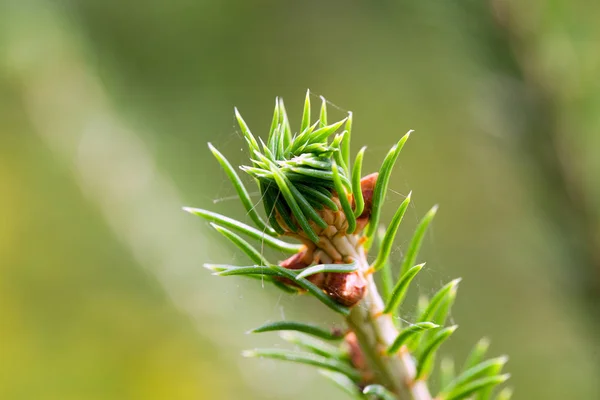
346	288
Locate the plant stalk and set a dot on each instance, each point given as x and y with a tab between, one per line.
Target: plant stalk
375	332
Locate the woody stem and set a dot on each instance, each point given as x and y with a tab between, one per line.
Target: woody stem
375	332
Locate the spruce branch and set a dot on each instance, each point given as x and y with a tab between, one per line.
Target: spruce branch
312	195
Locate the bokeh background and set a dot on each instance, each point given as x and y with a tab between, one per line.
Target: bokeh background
105	111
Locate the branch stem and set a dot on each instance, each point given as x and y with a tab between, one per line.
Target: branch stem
375	332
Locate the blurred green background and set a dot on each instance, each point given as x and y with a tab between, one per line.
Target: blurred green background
105	111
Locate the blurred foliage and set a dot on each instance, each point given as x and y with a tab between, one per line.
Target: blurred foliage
504	100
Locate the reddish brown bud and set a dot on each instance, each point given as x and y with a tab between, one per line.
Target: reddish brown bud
367	187
301	260
357	358
345	288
